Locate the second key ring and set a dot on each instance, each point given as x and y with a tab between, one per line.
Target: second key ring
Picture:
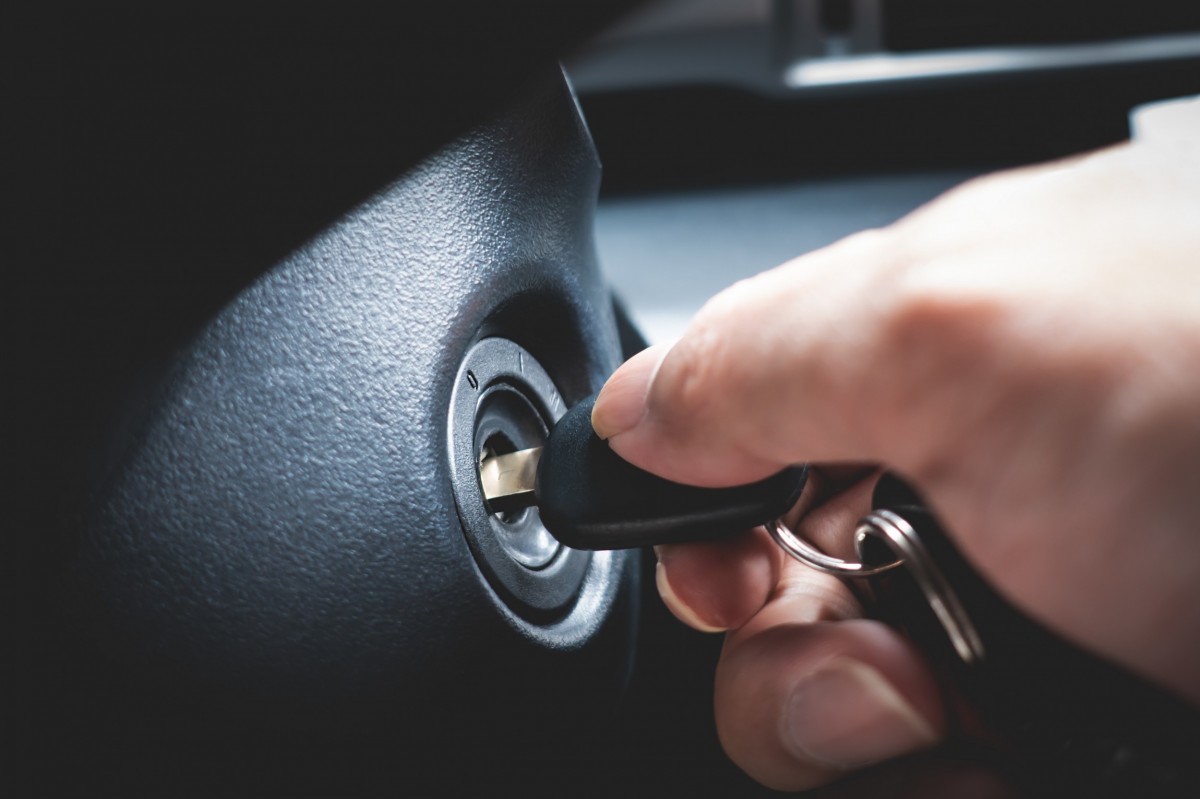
814	558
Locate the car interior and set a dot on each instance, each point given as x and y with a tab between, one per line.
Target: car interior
283	274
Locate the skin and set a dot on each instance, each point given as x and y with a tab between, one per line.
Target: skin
1025	350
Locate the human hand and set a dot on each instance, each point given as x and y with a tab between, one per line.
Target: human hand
1026	352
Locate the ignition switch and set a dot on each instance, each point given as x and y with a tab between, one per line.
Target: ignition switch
504	401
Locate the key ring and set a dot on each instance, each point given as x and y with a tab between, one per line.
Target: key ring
903	540
814	558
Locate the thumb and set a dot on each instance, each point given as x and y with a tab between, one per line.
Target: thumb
777	369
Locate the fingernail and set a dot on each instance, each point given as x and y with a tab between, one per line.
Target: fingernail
677	606
622	402
846	714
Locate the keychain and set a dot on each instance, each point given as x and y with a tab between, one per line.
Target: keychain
1061	720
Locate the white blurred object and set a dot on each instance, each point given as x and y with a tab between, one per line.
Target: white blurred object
666	254
1173	123
790	47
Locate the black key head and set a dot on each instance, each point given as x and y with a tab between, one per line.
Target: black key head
590	498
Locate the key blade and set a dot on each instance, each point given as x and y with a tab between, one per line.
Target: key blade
509	480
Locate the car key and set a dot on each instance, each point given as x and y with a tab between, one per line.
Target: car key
591	498
1063	720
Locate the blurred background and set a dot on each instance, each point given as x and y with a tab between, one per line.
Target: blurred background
736	134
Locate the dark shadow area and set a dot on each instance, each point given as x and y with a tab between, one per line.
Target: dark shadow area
676	139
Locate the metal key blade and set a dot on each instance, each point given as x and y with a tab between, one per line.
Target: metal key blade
509	480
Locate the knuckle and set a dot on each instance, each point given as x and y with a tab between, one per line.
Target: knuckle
924	322
817	597
878	242
934	373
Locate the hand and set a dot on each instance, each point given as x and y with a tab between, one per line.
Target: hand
1026	352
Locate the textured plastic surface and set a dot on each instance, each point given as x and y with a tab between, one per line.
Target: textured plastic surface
277	545
1063	721
590	498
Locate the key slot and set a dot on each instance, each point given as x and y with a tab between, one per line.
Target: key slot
504	401
507	421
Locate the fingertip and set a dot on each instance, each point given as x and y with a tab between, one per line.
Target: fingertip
649	415
718	585
621	403
678	607
847	714
799	705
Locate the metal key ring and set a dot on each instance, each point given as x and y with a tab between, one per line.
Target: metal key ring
814	558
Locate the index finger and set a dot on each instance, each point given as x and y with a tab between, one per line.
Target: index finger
796	364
